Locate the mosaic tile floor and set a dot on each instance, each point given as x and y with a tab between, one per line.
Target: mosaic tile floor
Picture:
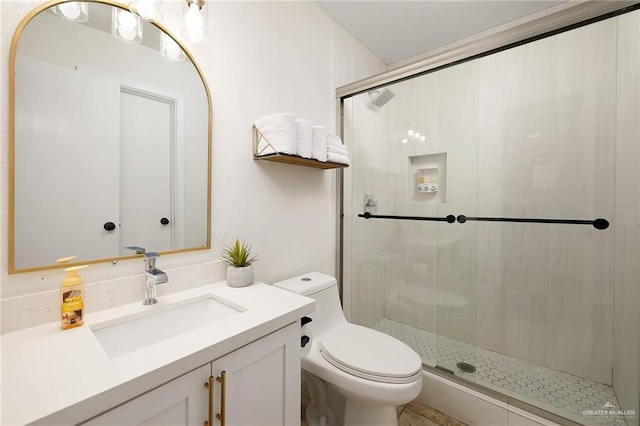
560	393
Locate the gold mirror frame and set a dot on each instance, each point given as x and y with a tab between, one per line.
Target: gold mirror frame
12	116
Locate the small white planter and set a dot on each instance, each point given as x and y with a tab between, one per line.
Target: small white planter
239	277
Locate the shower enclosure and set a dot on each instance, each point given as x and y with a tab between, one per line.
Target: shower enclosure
491	219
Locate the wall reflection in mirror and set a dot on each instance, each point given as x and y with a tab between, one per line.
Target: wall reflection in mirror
111	140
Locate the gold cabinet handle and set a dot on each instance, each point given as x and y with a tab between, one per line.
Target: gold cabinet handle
223	394
209	385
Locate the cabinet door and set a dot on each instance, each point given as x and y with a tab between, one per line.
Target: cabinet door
261	382
183	401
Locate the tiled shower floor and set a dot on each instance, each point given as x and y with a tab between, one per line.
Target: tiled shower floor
560	393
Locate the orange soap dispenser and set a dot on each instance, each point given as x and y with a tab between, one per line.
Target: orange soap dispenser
72	296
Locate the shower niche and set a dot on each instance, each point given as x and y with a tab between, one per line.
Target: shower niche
427	178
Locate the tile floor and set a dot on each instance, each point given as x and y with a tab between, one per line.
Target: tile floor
551	390
411	414
418	414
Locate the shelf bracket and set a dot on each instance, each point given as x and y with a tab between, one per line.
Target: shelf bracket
257	138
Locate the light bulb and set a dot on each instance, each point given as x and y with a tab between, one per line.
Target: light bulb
194	24
146	10
404	140
423	138
416	135
171	49
196	35
127	34
73	11
126	20
410	132
193	18
126	26
173	52
70	10
149	10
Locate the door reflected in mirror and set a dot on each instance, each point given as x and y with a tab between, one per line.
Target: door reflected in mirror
111	142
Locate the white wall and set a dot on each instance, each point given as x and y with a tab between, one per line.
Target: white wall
262	57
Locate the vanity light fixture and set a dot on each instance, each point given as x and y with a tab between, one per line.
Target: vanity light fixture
170	49
126	26
149	10
76	11
195	22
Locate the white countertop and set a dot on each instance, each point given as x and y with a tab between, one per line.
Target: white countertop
53	376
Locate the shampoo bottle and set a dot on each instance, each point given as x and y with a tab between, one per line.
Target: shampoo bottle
72	296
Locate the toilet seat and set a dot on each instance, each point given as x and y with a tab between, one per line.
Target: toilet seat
370	354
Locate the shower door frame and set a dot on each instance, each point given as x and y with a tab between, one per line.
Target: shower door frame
556	19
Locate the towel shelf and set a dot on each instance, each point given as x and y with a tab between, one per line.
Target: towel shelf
299	161
281	157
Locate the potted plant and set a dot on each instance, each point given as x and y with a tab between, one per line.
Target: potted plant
239	260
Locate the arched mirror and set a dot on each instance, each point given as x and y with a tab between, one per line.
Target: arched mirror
110	139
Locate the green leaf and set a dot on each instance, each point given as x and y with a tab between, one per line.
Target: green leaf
238	254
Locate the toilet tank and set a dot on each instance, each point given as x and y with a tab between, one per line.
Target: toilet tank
324	290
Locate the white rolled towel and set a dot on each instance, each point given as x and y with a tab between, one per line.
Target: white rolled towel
319	143
303	138
337	158
280	130
333	140
338	149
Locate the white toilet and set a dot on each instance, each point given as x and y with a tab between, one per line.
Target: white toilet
356	375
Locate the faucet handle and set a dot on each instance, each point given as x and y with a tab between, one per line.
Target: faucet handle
136	249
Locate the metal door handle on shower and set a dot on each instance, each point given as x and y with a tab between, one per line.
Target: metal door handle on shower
599	223
449	219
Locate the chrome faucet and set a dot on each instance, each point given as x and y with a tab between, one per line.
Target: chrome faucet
154	276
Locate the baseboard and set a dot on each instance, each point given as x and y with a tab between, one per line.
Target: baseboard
473	407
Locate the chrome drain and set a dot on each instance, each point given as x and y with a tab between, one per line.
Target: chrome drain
466	368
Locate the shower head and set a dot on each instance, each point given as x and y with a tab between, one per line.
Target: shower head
380	98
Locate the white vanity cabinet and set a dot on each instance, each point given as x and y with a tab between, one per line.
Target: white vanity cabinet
183	401
257	384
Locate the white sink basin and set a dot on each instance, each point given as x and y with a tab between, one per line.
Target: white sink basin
128	334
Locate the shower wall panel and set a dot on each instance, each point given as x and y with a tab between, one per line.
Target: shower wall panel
364	133
437	106
547	150
626	349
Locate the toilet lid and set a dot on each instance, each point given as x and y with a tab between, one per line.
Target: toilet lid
370	354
